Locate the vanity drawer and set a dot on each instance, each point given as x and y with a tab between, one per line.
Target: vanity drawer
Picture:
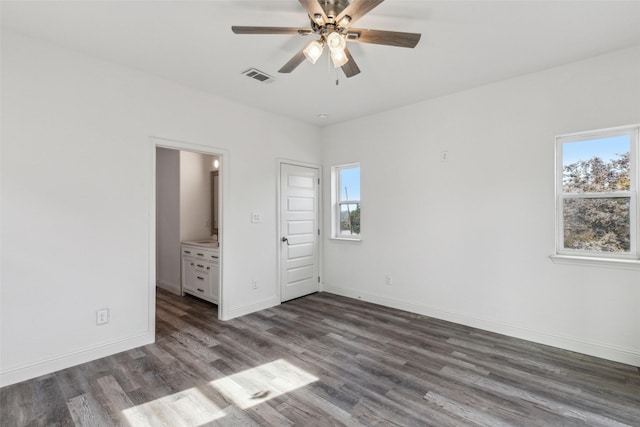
197	264
200	253
197	279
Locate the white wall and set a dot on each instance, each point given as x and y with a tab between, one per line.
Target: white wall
77	212
469	240
168	219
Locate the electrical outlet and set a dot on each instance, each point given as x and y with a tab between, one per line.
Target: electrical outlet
254	284
256	217
387	280
102	316
444	156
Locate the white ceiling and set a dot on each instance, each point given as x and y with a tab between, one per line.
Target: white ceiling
464	44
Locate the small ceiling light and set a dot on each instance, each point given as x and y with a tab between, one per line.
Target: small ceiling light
336	41
322	116
313	51
339	58
346	20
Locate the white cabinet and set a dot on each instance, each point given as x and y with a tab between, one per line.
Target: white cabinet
201	271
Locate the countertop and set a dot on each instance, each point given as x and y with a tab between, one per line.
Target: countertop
210	244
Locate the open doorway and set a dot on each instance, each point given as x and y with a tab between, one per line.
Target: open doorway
188	230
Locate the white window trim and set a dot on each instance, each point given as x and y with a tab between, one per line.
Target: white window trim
626	264
630	260
335	203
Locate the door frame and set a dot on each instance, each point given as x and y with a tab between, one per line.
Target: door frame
279	163
223	154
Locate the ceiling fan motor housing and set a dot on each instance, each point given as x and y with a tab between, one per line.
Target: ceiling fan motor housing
332	8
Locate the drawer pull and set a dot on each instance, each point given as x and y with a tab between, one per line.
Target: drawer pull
200	265
191	263
208	268
200	290
200	278
213	256
187	252
200	254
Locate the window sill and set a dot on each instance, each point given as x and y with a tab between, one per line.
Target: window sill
627	264
346	239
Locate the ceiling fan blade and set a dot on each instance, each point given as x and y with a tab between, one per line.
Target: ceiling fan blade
293	63
313	7
269	30
350	68
388	38
356	10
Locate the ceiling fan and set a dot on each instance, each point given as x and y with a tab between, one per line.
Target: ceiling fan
331	21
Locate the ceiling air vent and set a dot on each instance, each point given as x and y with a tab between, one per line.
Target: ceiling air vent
258	75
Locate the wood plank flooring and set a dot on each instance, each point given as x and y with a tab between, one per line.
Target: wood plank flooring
325	360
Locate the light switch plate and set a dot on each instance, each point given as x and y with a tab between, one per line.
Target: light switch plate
256	217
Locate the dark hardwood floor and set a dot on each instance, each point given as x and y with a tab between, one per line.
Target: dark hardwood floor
325	360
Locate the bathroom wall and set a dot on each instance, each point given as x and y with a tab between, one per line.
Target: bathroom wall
168	219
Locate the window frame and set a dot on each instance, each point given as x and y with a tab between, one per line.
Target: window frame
633	131
336	203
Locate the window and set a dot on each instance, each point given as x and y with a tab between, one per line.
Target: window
345	197
596	189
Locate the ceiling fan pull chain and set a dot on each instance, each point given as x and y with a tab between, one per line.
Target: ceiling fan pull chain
329	64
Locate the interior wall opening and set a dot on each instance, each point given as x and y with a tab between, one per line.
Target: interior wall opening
188	224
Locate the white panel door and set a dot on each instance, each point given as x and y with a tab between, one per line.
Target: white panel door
299	259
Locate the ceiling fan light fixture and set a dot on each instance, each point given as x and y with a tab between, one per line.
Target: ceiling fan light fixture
346	20
339	58
317	18
336	41
313	51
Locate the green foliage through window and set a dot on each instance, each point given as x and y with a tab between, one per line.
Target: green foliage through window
350	219
597	175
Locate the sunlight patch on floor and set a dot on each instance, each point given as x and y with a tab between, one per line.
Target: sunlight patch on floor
185	408
248	388
256	385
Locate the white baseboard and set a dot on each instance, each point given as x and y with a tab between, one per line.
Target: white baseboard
604	351
174	288
233	312
46	366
